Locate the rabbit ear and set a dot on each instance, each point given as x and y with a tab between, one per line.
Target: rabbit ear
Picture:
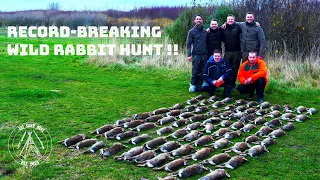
204	162
228	175
245	159
207	169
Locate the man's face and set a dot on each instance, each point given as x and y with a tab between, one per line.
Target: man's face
198	20
230	20
249	18
217	57
252	58
214	25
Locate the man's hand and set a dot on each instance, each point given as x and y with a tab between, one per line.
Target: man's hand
220	80
190	58
257	24
208	30
214	82
224	26
248	81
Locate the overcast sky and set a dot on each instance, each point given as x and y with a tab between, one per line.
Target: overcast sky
16	5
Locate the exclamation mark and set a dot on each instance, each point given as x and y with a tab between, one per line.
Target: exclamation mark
175	49
169	53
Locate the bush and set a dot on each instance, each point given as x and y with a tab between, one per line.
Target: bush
221	14
178	32
293	23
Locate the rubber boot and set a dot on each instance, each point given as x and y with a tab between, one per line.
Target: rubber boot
227	91
212	90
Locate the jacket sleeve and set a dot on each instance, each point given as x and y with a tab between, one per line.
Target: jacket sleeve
189	41
242	74
242	25
228	71
205	76
208	44
262	72
262	42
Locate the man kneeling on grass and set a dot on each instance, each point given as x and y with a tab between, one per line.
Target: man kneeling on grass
216	73
253	76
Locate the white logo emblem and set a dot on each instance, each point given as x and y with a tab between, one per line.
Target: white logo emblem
29	144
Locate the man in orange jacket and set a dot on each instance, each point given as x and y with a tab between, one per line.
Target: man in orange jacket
253	76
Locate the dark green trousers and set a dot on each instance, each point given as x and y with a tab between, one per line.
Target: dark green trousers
245	55
234	59
198	63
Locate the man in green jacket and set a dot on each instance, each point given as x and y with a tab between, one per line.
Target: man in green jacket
252	37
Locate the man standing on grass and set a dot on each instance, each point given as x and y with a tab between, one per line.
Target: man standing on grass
231	38
252	37
253	76
216	73
197	52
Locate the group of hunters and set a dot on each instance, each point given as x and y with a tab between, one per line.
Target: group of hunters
242	41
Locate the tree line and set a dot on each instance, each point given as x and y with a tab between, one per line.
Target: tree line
290	26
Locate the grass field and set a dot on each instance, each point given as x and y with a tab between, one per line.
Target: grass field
92	96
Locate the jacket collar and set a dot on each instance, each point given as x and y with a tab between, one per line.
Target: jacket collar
253	23
211	30
199	27
253	63
232	25
211	60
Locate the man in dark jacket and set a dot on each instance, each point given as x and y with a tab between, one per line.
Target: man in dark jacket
217	72
213	38
252	38
231	39
197	52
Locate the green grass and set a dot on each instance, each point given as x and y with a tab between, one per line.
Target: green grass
91	96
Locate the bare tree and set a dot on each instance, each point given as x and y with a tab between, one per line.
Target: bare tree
54	6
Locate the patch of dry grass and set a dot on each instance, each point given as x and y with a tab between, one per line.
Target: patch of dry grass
292	70
149	61
295	70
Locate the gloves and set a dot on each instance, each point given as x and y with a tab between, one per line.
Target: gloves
217	84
